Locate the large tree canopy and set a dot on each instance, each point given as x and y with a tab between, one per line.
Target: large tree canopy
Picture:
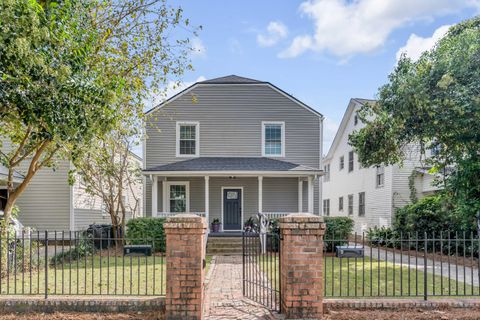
433	102
74	71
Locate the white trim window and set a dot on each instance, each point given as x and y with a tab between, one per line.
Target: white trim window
326	169
342	163
273	139
340	204
350	204
326	207
361	204
177	196
380	176
188	139
350	161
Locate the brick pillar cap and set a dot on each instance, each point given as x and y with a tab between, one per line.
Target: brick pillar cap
185	220
301	217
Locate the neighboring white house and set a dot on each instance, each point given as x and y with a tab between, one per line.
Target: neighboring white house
368	195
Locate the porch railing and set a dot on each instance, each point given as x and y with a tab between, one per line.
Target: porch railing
275	215
169	214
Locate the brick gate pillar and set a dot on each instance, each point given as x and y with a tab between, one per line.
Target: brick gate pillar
185	256
301	265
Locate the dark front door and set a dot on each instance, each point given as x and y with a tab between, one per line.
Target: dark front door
232	209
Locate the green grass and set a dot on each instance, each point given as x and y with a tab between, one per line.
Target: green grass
95	276
376	278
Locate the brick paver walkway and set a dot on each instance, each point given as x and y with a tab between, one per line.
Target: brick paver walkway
224	293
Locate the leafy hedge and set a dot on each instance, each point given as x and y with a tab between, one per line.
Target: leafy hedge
147	230
338	231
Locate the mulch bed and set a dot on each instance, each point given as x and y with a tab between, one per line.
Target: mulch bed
448	314
82	316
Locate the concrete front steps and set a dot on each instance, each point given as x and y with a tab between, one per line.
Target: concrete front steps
224	246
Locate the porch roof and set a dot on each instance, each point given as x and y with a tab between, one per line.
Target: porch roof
233	164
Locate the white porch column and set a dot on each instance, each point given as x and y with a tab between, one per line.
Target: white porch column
154	196
310	194
300	195
207	200
164	195
260	194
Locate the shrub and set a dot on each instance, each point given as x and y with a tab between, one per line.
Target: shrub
338	231
147	230
425	215
84	247
383	236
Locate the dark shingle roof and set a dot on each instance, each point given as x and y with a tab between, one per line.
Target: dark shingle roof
231	79
231	164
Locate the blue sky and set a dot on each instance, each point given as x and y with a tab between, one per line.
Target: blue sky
323	52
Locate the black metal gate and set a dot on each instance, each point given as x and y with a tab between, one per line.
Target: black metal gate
261	269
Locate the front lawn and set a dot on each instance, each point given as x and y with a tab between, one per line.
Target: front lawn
95	275
376	278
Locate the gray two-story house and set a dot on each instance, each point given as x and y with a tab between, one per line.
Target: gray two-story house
229	148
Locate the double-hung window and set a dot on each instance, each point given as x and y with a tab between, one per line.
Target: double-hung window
326	169
350	204
361	204
273	139
188	138
177	197
350	161
340	204
326	207
380	176
342	162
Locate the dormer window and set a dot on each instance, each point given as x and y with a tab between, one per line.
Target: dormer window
188	134
273	139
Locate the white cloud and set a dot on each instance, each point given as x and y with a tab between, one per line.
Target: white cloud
330	129
198	48
171	89
344	28
416	45
276	31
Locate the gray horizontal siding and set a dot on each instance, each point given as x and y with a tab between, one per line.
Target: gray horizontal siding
86	217
45	203
230	119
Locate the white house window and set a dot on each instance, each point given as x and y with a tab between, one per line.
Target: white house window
361	204
188	134
273	139
342	162
326	169
178	197
350	161
355	119
340	204
380	176
350	204
326	207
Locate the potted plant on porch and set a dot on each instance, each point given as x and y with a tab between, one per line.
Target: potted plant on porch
216	225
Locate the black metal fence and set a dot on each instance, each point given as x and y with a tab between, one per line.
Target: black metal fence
261	269
79	263
412	265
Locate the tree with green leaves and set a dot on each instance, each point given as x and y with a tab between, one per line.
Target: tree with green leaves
71	72
433	102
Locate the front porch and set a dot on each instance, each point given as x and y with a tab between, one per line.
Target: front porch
232	199
232	190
